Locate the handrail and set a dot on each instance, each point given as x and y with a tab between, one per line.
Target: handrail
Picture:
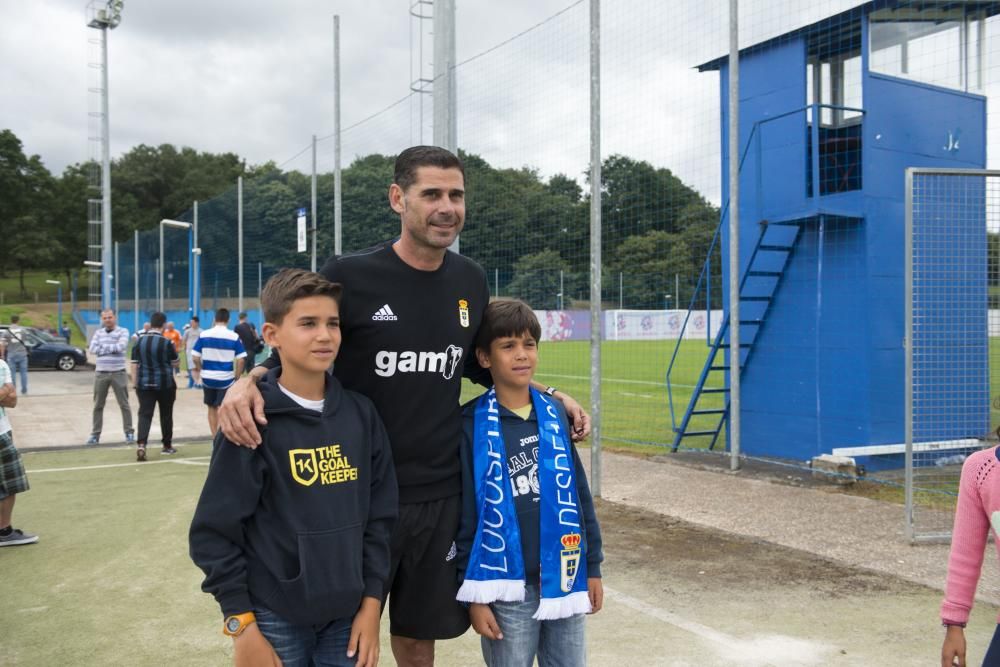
706	267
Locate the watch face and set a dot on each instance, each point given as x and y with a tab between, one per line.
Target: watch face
232	624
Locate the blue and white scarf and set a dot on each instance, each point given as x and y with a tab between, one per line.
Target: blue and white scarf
496	569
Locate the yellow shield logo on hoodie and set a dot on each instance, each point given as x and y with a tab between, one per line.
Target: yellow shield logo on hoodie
304	469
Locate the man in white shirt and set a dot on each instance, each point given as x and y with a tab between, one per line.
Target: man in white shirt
108	345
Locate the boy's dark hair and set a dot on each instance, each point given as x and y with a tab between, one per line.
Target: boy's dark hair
195	318
507	317
222	315
289	285
157	320
242	315
414	157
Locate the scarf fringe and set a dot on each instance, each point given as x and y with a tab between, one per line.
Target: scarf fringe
550	609
493	590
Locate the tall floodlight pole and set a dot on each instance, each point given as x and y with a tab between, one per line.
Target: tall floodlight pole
734	236
337	194
595	246
445	94
106	19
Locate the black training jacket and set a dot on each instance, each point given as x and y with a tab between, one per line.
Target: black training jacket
520	437
300	525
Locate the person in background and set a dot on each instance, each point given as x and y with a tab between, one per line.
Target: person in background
248	336
174	336
65	331
109	344
154	359
137	334
977	514
15	351
219	357
13	479
192	330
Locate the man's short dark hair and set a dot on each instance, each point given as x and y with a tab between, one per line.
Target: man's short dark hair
157	320
195	318
415	157
222	315
507	317
242	315
288	286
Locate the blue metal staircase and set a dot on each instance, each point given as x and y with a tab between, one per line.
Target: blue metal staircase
758	287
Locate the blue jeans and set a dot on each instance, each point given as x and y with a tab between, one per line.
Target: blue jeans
556	643
19	364
307	645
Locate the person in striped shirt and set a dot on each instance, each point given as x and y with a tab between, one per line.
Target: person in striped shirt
219	356
154	359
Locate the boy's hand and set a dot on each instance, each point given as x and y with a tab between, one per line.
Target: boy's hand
579	420
484	622
242	405
953	649
595	590
364	633
251	649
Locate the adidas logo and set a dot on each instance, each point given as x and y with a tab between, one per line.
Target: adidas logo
384	314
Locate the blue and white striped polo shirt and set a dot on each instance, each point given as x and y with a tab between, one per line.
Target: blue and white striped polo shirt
218	347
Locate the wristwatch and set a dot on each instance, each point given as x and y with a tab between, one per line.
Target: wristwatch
235	625
550	391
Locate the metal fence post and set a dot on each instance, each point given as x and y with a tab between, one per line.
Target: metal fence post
315	223
734	236
337	193
239	241
908	353
595	246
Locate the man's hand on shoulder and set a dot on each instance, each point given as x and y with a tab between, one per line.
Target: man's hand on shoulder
241	410
579	420
251	649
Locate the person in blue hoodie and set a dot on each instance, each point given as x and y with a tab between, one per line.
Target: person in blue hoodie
529	544
294	537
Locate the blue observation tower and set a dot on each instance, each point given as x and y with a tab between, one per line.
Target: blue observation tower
830	117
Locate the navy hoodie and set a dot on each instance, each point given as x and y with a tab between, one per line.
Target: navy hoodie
300	525
520	437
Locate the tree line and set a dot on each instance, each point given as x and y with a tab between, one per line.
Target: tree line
532	234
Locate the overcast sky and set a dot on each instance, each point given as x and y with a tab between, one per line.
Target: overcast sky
255	77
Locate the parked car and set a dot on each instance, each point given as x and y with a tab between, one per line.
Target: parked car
47	351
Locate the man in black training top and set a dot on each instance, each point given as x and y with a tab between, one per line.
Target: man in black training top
409	315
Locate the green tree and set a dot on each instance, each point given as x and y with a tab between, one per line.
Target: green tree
537	281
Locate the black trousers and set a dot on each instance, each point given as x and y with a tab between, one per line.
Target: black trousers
148	400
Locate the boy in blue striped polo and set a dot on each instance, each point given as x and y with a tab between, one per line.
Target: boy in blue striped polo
219	356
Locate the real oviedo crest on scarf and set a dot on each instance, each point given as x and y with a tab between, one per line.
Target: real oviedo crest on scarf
569	561
463	313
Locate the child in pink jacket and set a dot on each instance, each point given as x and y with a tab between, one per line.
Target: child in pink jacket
977	511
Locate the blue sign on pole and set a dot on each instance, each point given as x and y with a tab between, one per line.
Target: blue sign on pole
301	214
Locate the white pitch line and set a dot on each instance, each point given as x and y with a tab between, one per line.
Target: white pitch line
764	650
118	465
618	380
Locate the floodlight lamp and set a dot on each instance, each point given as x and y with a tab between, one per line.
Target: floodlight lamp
53	282
176	223
195	251
90	262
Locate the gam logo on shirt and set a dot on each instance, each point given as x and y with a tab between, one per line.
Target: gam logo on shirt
390	362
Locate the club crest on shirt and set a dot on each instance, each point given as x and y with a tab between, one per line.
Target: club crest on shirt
569	559
463	313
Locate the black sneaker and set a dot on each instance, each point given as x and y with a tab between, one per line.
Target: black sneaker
168	450
140	454
17	537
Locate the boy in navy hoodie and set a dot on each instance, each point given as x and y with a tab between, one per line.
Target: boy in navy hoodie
293	537
529	545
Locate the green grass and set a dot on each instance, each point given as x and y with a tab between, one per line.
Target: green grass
34	282
110	581
635	407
